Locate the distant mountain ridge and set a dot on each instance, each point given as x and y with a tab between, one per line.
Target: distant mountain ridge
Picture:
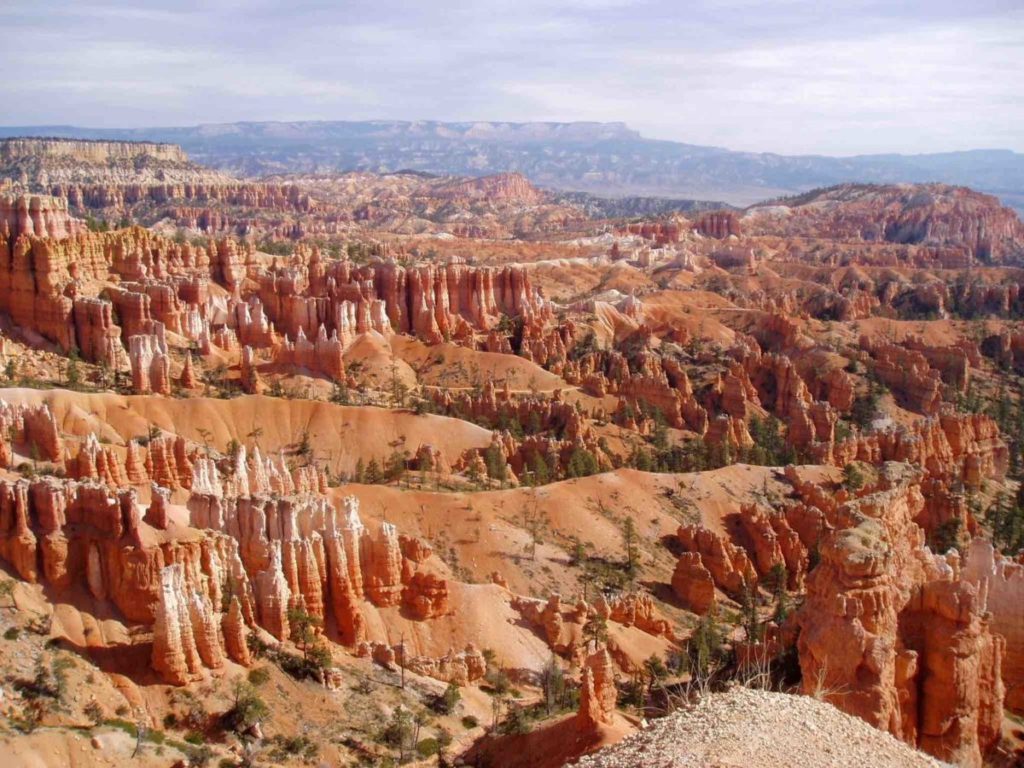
607	159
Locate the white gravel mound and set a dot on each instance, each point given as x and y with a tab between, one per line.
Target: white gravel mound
745	727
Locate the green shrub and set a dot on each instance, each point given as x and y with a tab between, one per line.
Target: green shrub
248	709
199	756
445	703
497	681
853	478
517	721
259	676
287	746
122	725
398	729
428	747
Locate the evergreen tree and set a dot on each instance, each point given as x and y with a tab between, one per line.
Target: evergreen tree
395	466
629	538
304	628
494	459
553	685
539	466
596	628
751	622
581	463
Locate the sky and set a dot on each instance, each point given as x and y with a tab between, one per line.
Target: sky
787	76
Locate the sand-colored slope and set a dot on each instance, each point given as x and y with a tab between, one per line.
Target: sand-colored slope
481	614
108	748
456	367
339	435
690	311
489	532
566	279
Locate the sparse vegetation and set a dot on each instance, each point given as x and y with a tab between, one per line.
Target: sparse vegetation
248	708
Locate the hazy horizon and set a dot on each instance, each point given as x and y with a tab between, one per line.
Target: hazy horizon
789	77
482	120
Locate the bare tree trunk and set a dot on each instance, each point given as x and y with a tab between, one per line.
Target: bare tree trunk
401	661
140	732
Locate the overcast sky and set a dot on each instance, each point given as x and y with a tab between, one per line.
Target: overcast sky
790	76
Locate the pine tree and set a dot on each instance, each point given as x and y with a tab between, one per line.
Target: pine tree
540	470
751	622
596	628
494	459
553	685
629	537
303	629
579	554
396	466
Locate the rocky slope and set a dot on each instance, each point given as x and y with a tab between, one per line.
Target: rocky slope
931	214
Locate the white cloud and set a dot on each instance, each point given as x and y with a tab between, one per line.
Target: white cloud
788	76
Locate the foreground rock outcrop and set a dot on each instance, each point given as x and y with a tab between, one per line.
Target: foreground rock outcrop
891	632
1001	581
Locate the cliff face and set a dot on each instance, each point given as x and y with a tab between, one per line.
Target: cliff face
728	564
925	214
1001	581
302	549
64	532
156	184
953	447
199	203
33	427
36	215
503	187
430	302
40	164
244	561
891	632
693	583
718	224
44	286
185	637
89	151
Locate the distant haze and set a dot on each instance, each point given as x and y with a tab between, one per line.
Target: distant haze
606	159
789	76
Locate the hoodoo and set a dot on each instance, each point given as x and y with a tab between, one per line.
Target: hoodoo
432	461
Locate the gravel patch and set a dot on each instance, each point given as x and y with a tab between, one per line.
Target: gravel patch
745	727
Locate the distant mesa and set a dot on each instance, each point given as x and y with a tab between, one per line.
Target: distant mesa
607	159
